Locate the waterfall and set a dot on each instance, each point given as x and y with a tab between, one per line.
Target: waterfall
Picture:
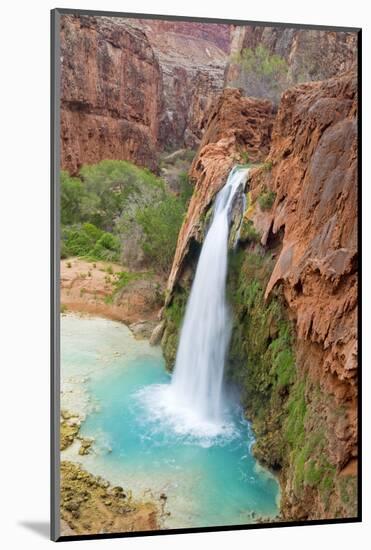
197	382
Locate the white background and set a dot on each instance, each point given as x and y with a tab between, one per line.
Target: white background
24	284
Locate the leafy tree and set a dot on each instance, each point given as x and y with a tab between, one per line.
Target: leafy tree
160	224
89	241
118	211
72	194
113	183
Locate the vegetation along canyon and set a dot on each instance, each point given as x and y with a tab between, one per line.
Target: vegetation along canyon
208	193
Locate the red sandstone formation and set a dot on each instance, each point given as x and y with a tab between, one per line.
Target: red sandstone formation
247	119
131	88
215	33
110	92
314	176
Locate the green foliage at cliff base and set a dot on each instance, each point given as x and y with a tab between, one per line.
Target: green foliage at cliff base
117	211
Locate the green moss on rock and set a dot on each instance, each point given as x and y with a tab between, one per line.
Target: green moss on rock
173	314
261	359
282	402
266	199
248	232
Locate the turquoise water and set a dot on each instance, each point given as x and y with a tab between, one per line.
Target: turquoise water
118	383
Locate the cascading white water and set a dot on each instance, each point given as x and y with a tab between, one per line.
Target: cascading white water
193	404
197	382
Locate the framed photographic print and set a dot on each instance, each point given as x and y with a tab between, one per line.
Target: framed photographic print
205	192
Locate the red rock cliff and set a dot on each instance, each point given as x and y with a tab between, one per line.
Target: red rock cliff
110	92
215	33
314	178
131	88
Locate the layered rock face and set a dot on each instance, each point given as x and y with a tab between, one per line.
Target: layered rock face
295	282
110	93
310	54
215	33
314	176
193	57
314	179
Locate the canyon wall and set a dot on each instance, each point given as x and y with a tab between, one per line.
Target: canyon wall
133	88
110	93
215	33
293	285
192	57
313	179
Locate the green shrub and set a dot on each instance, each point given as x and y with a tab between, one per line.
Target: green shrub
245	156
116	210
262	74
88	241
249	233
102	190
266	199
112	185
160	224
72	195
123	278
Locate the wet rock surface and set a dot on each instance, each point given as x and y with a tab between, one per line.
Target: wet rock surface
90	505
